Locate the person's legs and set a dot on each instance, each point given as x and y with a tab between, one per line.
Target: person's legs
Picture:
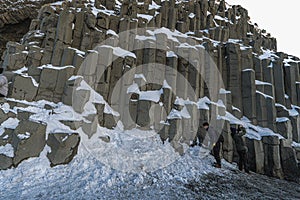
216	152
246	166
240	164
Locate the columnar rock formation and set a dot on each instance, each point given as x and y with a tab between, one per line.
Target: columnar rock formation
87	38
15	17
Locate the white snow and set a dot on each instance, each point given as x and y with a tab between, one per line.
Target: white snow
176	114
265	95
151	95
166	85
94	98
77	51
235	108
49	66
10	123
268	54
6	108
296	145
120	52
134	88
112	32
203	103
7	150
154	6
144	16
293	112
21	71
257	82
140	76
282	119
247	70
223	91
192	15
24	136
171	54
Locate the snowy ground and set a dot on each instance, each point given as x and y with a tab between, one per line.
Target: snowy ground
189	177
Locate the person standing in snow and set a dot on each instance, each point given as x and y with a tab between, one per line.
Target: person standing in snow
215	139
237	135
3	84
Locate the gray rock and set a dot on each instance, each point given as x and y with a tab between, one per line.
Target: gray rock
289	163
89	126
24	88
5	162
24	115
32	145
272	161
63	147
105	139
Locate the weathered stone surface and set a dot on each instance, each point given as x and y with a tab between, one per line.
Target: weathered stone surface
64	36
23	115
69	88
74	125
271	113
295	121
248	94
272	161
33	142
290	80
24	87
90	125
52	82
289	163
234	81
284	128
279	85
5	162
143	118
64	26
259	156
228	143
63	146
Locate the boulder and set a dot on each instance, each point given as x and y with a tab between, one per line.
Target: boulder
289	163
5	162
29	140
63	146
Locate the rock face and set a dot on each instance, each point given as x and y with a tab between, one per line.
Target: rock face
98	55
63	147
15	17
31	146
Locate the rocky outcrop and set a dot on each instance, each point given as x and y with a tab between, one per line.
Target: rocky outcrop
96	51
15	19
63	147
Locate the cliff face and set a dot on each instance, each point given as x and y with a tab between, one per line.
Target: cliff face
15	18
197	49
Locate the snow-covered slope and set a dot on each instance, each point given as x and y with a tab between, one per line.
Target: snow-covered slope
188	178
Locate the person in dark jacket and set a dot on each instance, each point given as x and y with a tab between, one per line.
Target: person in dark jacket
215	139
237	135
